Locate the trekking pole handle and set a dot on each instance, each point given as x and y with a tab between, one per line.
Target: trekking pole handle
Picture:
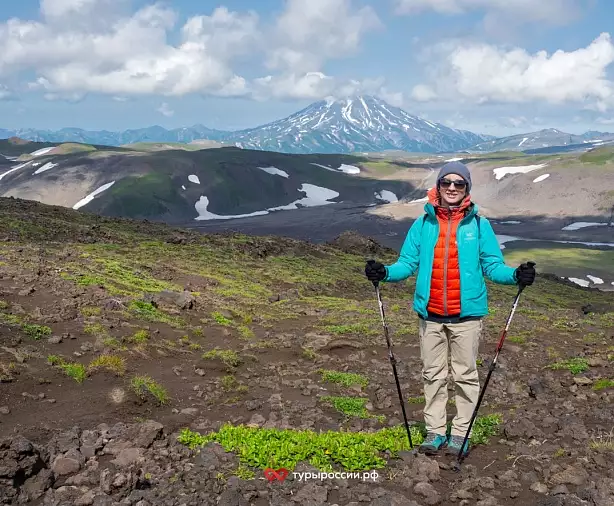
520	286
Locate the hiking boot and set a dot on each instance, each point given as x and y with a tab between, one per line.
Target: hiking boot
432	444
454	445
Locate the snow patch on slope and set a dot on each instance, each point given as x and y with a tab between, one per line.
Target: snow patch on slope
315	196
500	172
275	171
595	279
505	238
582	224
43	151
90	197
13	169
46	167
541	178
578	281
203	214
348	169
386	195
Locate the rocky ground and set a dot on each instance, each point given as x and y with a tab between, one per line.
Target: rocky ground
144	365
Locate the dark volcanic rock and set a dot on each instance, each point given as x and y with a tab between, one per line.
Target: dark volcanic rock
353	242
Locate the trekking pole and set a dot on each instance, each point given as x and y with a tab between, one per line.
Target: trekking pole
392	360
461	453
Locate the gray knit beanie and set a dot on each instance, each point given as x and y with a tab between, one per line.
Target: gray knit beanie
455	168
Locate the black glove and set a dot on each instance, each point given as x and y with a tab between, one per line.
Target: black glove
375	271
525	274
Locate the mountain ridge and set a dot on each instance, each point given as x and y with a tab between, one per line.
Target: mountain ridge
361	123
545	138
358	124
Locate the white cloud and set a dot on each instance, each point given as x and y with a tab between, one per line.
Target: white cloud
546	11
317	86
87	12
309	33
101	46
72	98
5	93
423	93
515	121
165	110
131	55
485	73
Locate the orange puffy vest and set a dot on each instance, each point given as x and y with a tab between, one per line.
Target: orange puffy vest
445	279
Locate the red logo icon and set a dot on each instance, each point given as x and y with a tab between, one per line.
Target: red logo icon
272	474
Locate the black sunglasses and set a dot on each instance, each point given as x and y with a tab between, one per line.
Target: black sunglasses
446	183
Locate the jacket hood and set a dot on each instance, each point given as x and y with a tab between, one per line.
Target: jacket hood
433	203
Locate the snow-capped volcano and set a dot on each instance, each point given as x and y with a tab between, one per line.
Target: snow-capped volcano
357	124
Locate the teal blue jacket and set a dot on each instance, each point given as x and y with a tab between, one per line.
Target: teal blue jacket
479	255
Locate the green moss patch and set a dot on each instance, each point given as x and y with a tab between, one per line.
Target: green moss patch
344	378
73	370
575	365
143	386
327	451
262	448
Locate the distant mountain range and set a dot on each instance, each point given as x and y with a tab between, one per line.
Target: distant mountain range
354	125
107	138
359	124
544	141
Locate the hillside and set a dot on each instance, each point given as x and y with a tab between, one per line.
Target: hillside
167	183
361	123
135	343
186	184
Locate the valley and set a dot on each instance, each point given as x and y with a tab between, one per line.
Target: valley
318	197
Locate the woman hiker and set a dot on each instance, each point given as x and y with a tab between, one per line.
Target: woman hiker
452	249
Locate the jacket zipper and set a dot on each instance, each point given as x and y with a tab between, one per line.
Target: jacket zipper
445	265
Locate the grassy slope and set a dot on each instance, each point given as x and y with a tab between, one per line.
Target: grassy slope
228	177
565	260
599	156
16	149
231	279
162	146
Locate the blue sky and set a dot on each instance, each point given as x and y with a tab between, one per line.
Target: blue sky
491	66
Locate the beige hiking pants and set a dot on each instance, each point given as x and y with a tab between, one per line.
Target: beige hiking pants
462	341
